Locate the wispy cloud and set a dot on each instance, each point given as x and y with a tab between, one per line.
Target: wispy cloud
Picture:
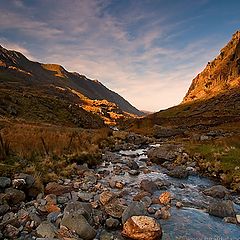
134	47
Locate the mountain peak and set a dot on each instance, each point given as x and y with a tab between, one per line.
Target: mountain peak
220	75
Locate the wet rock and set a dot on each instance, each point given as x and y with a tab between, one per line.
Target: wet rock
106	197
46	230
112	223
114	208
217	191
5	182
11	232
132	165
221	209
147	201
162	153
3	209
179	205
163	213
165	198
78	223
106	235
134	209
111	157
179	172
151	210
148	186
140	195
14	196
142	228
57	189
230	220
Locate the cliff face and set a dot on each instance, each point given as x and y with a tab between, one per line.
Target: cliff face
221	75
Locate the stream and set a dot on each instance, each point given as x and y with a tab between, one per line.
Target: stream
189	222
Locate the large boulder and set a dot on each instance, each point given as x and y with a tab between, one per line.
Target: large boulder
217	191
179	172
222	209
163	153
47	230
134	209
142	228
76	222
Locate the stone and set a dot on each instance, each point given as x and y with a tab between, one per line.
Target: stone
104	235
119	185
132	165
148	186
14	196
238	218
78	223
46	230
179	205
230	220
142	228
114	208
147	201
3	209
178	172
106	197
134	172
84	196
140	195
112	223
29	179
151	210
165	198
134	209
217	191
10	231
5	182
57	189
221	209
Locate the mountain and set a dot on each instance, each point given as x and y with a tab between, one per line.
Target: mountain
212	100
220	75
19	74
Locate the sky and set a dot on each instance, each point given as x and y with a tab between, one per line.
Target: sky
148	51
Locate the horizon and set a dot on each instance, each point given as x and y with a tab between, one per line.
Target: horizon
146	52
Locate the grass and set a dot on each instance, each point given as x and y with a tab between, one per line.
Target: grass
48	151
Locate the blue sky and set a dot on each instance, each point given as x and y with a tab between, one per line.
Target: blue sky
146	50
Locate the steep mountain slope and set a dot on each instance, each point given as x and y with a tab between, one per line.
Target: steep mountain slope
222	74
17	73
213	99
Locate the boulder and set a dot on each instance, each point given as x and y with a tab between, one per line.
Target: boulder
114	208
134	209
178	172
46	230
221	209
106	197
57	189
217	191
142	228
5	182
76	222
148	186
132	165
112	223
14	196
29	179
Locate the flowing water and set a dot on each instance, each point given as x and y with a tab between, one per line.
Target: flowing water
189	222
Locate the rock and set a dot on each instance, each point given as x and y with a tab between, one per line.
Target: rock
3	209
165	198
86	197
151	210
5	182
57	189
112	223
47	230
18	183
148	186
14	196
162	153
10	232
78	223
106	197
221	209
238	218
179	205
134	172
178	172
230	220
114	208
132	165
29	179
147	201
142	228
119	185
140	195
163	132
217	191
134	209
163	213
106	235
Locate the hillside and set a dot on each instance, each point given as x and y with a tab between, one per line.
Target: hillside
22	77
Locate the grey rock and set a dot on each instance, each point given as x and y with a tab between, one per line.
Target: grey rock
217	191
147	201
5	182
222	209
148	186
134	172
3	209
47	230
78	223
112	223
132	165
179	172
84	196
134	209
106	235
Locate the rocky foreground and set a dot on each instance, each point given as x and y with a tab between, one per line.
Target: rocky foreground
128	196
